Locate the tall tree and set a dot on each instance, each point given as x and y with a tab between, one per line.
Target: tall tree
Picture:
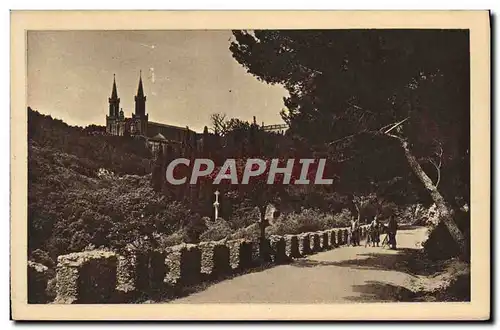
408	88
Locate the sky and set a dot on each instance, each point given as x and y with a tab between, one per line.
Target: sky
187	76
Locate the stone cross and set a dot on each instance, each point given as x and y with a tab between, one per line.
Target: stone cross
216	204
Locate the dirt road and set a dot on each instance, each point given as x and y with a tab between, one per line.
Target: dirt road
346	274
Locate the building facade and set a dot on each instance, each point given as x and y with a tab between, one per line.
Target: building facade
170	139
139	125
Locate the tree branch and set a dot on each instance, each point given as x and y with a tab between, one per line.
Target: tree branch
384	127
438	165
358	107
396	125
396	137
440	155
438	169
377	132
346	137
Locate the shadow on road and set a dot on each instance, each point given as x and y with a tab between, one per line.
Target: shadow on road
374	291
410	261
185	291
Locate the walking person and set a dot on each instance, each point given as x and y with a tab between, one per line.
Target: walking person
355	232
375	231
392	228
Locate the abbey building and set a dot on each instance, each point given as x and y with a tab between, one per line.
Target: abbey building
167	137
139	124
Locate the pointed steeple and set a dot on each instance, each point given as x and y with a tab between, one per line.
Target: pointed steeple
114	101
140	100
114	93
140	90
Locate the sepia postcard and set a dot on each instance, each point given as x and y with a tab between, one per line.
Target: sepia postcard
250	165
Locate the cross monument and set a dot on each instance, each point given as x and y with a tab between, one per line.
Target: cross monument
216	204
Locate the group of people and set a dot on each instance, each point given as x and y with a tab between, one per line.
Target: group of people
375	229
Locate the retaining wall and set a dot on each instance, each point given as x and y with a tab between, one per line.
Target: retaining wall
106	277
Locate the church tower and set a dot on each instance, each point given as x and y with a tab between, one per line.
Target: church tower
140	118
140	99
114	111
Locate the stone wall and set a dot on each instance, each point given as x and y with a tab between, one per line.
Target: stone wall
38	277
86	277
106	277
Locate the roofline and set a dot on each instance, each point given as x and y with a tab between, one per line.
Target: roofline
172	126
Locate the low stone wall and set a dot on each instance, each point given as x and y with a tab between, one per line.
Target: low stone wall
215	259
105	277
183	265
292	246
340	237
242	254
86	277
278	249
324	240
315	242
38	277
304	244
332	237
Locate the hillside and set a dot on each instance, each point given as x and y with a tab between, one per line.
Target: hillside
121	155
89	189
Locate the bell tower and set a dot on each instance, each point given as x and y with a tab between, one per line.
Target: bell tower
114	109
140	117
140	99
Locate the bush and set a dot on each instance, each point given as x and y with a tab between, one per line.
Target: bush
309	220
218	230
251	233
341	219
244	217
42	257
440	245
194	228
176	238
51	290
412	214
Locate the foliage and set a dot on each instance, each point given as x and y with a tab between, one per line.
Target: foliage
440	245
309	220
217	230
42	257
244	216
78	200
344	84
121	155
73	202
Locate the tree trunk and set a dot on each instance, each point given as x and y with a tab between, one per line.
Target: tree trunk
357	210
416	210
263	222
444	210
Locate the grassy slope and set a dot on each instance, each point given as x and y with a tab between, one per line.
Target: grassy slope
70	205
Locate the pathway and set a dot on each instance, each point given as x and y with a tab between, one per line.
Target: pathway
346	274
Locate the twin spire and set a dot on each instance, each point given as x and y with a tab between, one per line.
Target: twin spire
140	89
114	93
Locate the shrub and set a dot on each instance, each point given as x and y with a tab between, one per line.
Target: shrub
218	230
251	233
176	238
341	219
194	228
295	223
51	290
42	257
440	245
309	220
244	216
